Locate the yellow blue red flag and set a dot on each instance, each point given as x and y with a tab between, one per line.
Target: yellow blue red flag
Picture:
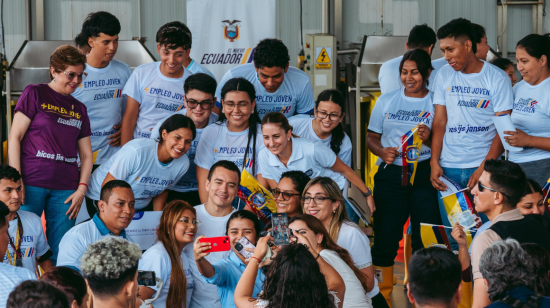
439	236
458	204
545	191
257	197
410	152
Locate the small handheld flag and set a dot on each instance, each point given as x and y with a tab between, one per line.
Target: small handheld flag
257	197
439	236
545	191
458	205
410	152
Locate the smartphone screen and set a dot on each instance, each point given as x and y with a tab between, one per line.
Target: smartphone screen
146	278
280	229
242	244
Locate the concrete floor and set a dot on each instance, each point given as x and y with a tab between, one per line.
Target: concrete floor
399	295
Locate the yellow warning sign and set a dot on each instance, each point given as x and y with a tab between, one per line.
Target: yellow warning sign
323	56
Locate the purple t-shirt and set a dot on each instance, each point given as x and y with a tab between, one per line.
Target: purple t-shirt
49	149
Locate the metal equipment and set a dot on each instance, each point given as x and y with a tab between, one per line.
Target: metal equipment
31	65
321	61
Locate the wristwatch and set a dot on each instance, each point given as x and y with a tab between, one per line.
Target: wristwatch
368	193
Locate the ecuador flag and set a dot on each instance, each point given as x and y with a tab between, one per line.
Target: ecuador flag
434	235
459	209
545	190
410	152
256	197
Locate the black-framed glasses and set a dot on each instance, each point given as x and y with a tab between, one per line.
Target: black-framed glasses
481	187
205	105
316	199
331	116
72	75
286	196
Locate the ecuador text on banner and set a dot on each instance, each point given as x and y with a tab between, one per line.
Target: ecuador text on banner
226	32
439	236
256	197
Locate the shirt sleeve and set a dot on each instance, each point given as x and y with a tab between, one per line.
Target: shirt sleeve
377	117
125	163
345	151
27	102
221	270
324	155
225	78
263	162
439	88
479	246
306	101
132	87
85	129
358	246
503	96
204	156
73	247
157	264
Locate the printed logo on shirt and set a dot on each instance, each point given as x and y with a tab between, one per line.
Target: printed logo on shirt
416	116
249	163
60	157
412	154
468	129
469	90
103	133
25	253
309	172
101	83
274	99
108	95
144	135
232	150
190	280
475	103
169	107
526	105
60	111
165	93
283	110
70	122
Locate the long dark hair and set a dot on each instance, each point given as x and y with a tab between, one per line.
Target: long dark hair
541	259
338	134
175	122
294	279
536	46
315	225
423	62
241	84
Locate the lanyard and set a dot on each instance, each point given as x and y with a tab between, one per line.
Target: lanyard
17	259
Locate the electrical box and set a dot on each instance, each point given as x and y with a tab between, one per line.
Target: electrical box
321	62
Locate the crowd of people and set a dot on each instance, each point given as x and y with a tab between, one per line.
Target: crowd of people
109	141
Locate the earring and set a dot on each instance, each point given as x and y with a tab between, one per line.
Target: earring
54	80
333	212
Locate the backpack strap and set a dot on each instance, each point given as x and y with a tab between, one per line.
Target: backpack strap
532	302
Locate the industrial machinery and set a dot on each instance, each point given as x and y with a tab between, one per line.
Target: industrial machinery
320	61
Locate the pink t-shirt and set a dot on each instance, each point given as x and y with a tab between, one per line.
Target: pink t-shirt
49	149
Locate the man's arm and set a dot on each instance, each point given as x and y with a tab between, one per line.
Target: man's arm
129	121
481	298
438	132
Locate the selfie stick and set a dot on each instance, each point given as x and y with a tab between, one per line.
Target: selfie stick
150	301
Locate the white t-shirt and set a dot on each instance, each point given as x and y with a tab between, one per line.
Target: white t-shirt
195	67
157	259
76	240
137	163
101	92
394	114
389	76
303	127
218	143
355	294
532	115
295	95
472	101
10	278
313	158
188	182
33	242
357	244
157	95
205	295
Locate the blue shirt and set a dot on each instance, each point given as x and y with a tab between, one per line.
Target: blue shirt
521	293
227	274
10	278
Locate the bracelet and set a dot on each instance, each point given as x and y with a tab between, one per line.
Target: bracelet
256	259
318	255
81	192
368	193
83	184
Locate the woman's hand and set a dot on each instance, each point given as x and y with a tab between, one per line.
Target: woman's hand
371	205
76	201
388	155
459	235
518	138
199	248
423	132
437	172
303	240
262	246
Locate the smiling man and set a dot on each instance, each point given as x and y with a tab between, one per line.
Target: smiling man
199	101
101	90
279	87
155	90
116	211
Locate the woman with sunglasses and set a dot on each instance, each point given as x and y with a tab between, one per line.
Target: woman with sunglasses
326	126
288	193
323	199
177	228
284	152
50	131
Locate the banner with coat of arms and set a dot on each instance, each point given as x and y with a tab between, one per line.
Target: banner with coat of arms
225	32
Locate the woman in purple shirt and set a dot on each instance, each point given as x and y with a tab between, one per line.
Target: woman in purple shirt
50	131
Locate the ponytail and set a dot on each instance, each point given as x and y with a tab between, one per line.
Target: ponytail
338	134
536	46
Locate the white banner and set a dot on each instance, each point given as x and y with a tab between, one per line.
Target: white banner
225	32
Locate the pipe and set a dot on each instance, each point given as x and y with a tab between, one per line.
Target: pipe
28	22
348	51
139	18
325	17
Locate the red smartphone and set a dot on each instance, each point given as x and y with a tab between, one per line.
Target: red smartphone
220	243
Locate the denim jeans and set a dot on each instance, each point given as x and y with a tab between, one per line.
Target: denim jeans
51	201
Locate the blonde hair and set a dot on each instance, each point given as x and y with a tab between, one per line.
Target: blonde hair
64	56
332	190
177	293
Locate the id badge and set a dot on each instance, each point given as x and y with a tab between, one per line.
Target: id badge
19	263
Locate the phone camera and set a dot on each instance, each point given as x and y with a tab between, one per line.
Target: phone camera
239	246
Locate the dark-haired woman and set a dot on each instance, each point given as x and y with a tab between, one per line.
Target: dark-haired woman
71	283
326	126
395	114
235	137
531	114
507	66
541	260
102	91
150	166
177	228
288	193
50	130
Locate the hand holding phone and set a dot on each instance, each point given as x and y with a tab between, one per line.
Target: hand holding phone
220	243
146	278
241	246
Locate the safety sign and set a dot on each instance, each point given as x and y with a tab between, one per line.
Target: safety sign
322	54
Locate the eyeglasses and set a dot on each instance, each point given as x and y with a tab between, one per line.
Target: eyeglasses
192	104
72	75
317	199
481	187
195	222
231	106
324	115
286	196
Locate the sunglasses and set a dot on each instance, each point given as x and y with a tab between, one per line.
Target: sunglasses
286	196
481	187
